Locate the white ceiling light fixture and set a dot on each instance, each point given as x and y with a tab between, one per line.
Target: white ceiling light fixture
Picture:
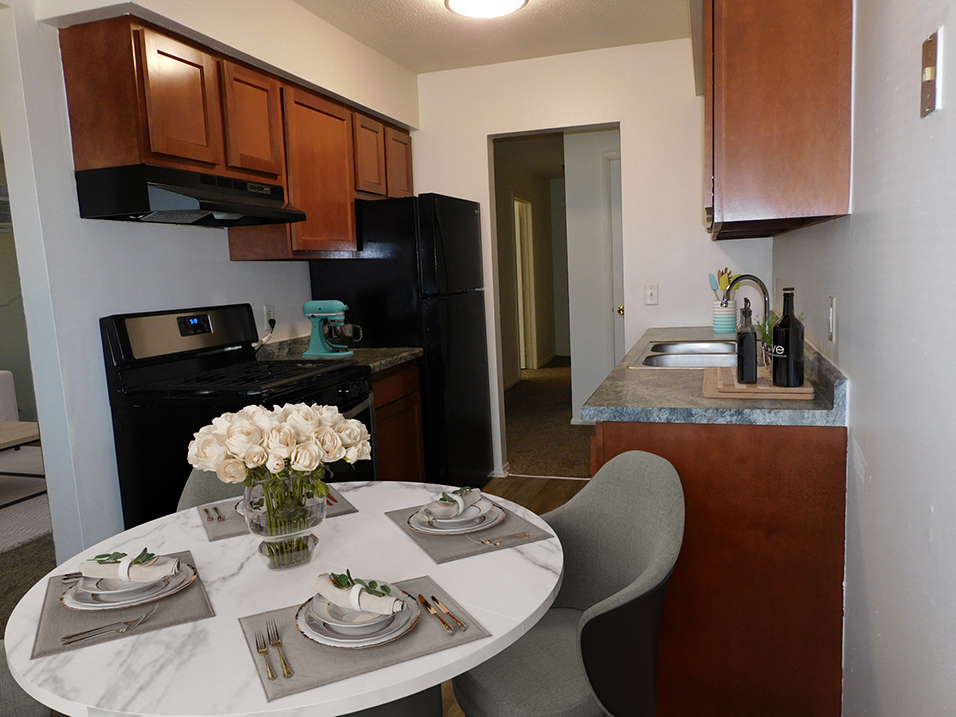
485	8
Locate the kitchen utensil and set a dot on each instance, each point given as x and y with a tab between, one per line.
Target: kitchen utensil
208	514
501	538
263	650
219	517
448	612
112	627
434	613
276	642
714	285
331	336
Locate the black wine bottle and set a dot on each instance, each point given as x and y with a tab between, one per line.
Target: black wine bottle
787	350
746	346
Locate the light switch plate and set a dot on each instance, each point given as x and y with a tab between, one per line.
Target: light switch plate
929	75
831	321
650	294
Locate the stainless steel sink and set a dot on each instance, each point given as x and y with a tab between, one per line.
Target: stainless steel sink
694	347
687	354
673	360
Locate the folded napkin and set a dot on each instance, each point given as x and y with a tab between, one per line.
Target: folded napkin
443	510
356	597
156	569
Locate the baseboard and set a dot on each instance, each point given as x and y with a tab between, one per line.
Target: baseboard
549	359
524	475
513	383
502	472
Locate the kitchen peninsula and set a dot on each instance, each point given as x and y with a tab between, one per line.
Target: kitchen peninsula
753	621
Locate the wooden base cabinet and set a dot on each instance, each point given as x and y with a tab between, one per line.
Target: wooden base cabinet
753	620
400	451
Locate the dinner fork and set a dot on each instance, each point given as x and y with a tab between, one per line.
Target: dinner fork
500	539
276	642
263	650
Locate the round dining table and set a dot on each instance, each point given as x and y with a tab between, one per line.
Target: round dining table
205	667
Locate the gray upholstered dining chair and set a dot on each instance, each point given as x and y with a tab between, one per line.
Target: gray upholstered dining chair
594	653
205	487
14	702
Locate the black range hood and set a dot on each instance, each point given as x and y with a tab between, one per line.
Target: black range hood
147	193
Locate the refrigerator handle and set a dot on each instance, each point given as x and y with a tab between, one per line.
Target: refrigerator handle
442	265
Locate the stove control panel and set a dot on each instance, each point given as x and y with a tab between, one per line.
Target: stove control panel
196	324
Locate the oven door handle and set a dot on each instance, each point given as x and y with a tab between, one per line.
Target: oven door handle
359	407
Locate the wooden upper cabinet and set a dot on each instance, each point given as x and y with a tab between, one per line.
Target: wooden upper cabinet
183	107
253	119
369	154
398	162
777	113
319	135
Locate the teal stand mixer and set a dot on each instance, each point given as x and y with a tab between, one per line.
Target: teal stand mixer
331	336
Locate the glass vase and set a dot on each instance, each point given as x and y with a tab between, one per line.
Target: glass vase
283	510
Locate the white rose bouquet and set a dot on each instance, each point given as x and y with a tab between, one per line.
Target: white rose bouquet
282	457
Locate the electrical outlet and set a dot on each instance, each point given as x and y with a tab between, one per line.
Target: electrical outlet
270	314
831	321
650	294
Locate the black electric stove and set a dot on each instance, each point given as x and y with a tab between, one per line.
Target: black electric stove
169	373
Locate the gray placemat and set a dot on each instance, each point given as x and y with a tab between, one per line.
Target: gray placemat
234	524
188	605
445	548
316	665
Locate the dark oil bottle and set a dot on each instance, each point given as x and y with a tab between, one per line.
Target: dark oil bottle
746	347
787	350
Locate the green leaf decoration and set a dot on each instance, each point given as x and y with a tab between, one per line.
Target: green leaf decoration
371	587
109	558
143	557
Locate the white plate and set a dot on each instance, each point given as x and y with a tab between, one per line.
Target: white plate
77	599
488	520
468	516
115	586
318	631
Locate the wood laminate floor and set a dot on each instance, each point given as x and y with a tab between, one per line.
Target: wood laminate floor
538	495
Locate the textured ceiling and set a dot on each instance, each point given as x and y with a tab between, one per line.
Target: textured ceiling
423	36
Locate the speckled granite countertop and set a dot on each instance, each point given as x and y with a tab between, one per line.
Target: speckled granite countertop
377	359
675	395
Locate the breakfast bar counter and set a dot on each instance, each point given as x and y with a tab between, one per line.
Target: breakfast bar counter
674	395
753	620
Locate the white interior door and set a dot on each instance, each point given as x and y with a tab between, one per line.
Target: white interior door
616	310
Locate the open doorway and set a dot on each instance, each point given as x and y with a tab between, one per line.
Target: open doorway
24	508
536	313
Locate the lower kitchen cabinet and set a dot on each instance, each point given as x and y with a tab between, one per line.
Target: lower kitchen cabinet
753	619
400	452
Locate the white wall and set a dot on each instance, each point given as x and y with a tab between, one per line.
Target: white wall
587	191
649	90
75	271
891	267
559	247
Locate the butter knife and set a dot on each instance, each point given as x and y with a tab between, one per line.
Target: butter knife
448	628
448	612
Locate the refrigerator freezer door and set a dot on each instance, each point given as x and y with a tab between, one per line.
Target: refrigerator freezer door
449	244
456	379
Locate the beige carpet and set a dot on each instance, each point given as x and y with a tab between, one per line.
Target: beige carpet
540	438
28	519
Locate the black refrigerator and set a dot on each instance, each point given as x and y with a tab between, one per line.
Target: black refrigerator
417	281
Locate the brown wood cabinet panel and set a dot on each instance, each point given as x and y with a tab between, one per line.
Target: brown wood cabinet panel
369	154
778	106
253	120
394	383
400	453
753	620
102	93
398	162
320	169
183	106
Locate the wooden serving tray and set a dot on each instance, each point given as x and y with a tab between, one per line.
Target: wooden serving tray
721	382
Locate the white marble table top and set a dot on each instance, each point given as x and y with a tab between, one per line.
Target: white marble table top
205	668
